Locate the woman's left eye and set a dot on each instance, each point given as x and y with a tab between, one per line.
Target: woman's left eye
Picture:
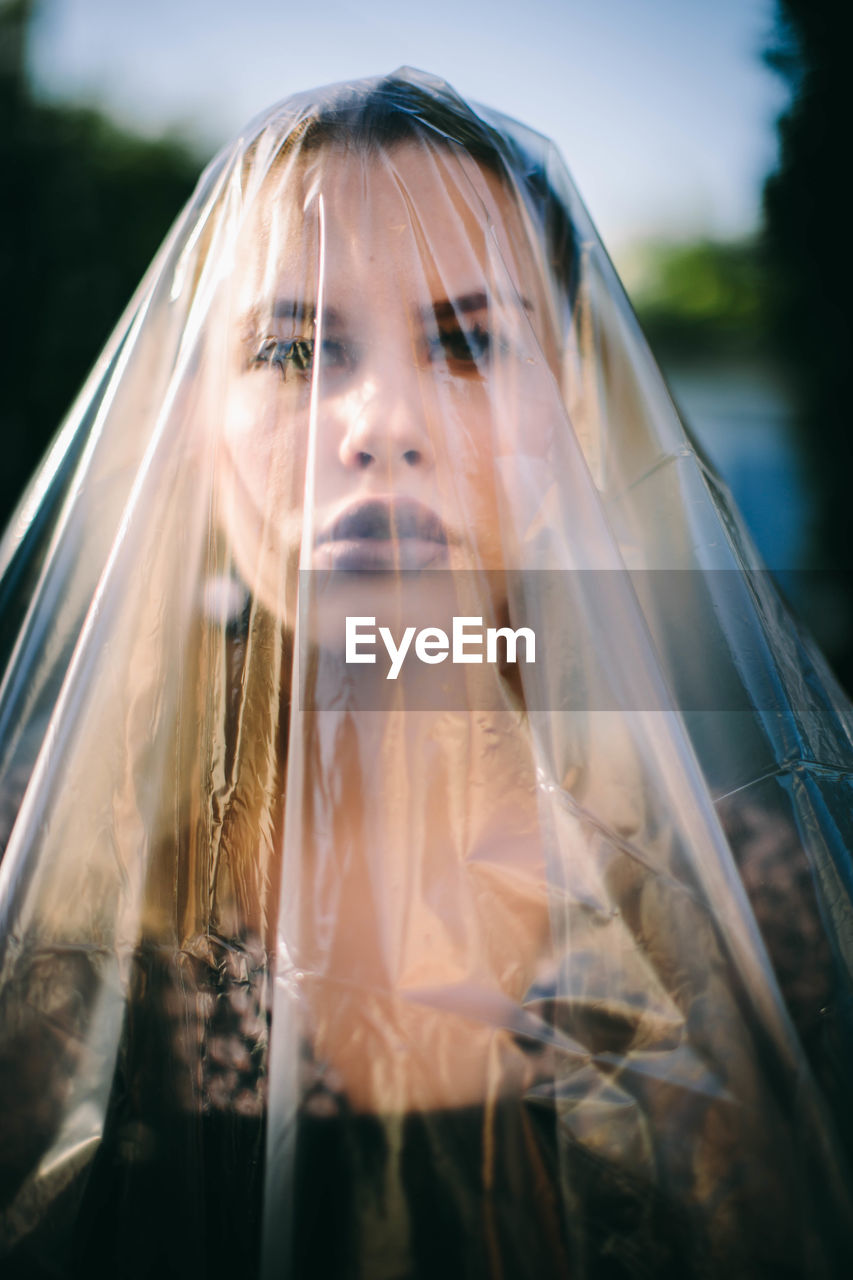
465	348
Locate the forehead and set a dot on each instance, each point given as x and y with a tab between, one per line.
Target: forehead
424	219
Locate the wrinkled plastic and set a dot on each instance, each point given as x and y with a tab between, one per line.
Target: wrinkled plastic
502	968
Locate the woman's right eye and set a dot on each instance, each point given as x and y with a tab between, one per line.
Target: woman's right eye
297	355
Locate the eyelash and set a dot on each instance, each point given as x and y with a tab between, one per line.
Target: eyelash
297	355
466	350
468	347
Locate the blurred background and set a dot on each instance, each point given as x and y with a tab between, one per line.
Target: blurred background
708	139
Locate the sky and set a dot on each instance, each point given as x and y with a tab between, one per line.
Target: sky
663	109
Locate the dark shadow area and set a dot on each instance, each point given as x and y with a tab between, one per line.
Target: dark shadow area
807	240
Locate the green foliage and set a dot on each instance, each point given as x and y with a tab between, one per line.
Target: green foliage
85	206
702	299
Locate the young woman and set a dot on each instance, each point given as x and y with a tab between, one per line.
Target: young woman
341	939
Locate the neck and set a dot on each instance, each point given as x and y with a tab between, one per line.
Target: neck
419	900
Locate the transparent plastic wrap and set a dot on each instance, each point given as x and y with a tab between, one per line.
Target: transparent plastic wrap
426	834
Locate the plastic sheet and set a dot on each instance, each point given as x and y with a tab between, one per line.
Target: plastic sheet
328	952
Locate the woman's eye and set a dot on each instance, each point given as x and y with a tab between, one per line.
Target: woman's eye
338	354
297	355
467	348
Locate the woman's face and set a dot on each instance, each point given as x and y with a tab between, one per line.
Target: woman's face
391	360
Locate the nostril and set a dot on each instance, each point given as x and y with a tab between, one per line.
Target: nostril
363	459
412	457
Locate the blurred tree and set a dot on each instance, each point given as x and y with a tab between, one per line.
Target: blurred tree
808	242
85	206
702	300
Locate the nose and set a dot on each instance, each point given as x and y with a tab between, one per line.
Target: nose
387	429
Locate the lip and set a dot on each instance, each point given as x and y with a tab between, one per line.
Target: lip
381	534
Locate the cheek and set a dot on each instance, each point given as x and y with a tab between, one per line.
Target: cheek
498	454
259	494
529	411
463	443
265	440
511	414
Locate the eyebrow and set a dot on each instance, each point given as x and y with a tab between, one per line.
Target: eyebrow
297	309
442	309
447	308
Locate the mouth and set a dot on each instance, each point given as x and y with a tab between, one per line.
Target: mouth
382	534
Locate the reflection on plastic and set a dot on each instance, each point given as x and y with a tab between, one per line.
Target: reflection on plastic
537	965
